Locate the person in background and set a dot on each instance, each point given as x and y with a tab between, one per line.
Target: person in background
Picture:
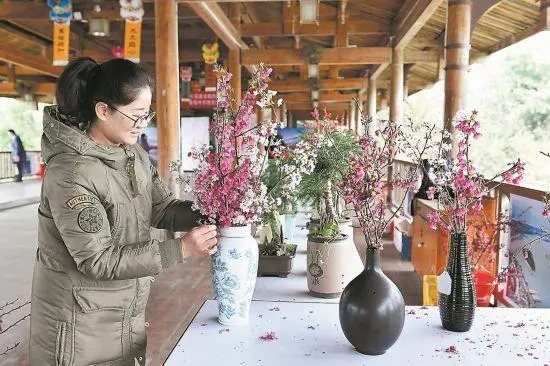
144	143
18	155
425	184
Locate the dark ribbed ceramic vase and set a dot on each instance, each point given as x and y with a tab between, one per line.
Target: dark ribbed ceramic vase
457	309
372	309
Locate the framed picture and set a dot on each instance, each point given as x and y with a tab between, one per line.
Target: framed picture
526	284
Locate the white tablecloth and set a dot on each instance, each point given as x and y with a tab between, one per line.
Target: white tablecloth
310	334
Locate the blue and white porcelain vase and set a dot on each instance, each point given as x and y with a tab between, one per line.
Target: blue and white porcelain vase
234	269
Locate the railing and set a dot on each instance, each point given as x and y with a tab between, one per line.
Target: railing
8	169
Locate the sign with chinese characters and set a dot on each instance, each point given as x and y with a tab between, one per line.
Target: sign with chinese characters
132	41
61	12
61	35
132	11
203	100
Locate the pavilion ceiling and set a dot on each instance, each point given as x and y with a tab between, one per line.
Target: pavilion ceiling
353	38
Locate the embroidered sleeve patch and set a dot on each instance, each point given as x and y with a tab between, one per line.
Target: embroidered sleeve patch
90	220
83	198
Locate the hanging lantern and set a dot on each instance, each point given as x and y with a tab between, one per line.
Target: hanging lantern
210	54
132	11
186	73
61	12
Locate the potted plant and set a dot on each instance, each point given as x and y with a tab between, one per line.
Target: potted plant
281	177
230	192
332	260
460	189
371	301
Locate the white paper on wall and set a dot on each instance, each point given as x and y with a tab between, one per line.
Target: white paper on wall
194	133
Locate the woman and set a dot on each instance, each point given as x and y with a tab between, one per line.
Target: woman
100	196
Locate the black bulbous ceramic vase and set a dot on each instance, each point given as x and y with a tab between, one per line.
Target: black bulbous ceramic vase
372	309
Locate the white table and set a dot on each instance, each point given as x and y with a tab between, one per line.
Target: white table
310	334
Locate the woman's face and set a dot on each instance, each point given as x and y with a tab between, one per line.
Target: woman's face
115	127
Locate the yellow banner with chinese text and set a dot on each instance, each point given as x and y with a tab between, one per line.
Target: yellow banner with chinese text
132	41
61	36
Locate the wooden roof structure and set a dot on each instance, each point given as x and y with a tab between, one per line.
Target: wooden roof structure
353	40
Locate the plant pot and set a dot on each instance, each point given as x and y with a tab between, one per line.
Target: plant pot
457	308
372	309
485	284
290	227
331	266
234	269
277	265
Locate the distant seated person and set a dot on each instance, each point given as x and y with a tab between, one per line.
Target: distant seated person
425	184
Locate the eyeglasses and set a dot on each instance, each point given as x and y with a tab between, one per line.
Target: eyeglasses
143	120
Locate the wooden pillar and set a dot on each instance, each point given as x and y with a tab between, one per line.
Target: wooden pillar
405	83
545	14
235	55
457	59
358	117
352	116
290	119
383	99
396	91
167	88
372	105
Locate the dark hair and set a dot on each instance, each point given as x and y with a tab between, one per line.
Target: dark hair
84	83
12	131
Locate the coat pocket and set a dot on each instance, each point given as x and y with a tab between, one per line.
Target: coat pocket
102	323
63	344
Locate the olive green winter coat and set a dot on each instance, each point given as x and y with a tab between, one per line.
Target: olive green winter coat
95	258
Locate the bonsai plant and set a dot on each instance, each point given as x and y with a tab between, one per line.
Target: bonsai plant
331	257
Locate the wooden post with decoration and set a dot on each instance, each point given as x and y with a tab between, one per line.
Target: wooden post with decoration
167	93
371	101
61	13
235	55
396	92
457	60
132	11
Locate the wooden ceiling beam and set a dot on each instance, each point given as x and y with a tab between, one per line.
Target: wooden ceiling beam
328	96
325	28
249	17
11	89
415	57
8	89
329	56
341	37
44	29
308	106
297	85
38	63
412	16
213	15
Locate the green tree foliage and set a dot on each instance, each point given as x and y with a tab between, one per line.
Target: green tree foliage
511	91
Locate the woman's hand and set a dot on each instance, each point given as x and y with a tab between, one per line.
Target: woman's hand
200	240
